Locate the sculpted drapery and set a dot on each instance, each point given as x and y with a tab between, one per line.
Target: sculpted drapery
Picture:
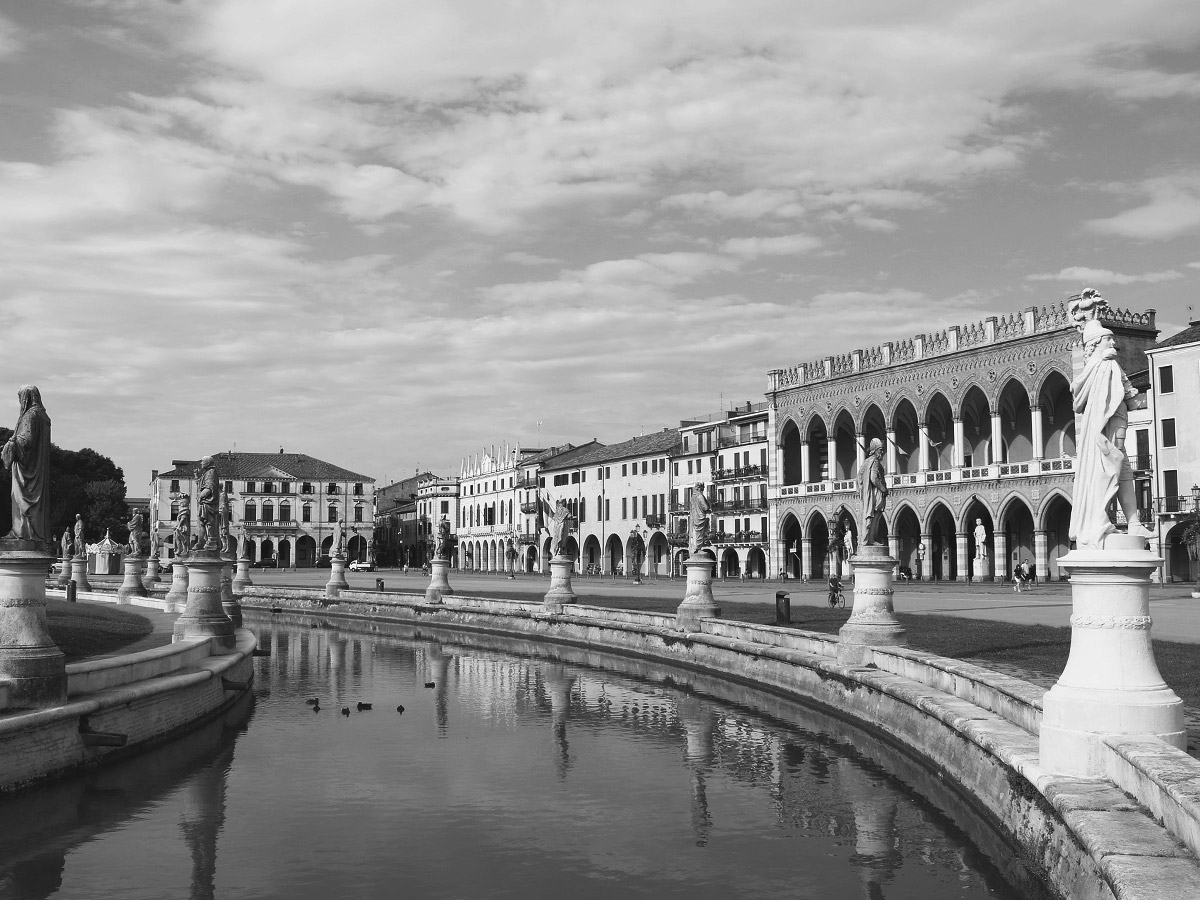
28	454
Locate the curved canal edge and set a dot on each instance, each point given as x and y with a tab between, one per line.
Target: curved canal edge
1133	836
122	705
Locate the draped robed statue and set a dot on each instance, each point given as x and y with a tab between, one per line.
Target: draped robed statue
27	454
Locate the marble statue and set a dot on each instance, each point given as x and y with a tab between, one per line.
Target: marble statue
80	547
1102	470
441	549
27	453
848	543
206	505
66	543
980	540
152	524
183	526
135	533
243	546
558	526
337	547
698	521
872	487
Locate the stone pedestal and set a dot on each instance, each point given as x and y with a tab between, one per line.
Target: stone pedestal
152	570
337	577
64	571
177	595
872	621
698	601
241	580
439	583
229	602
79	573
132	585
560	584
203	615
1111	684
29	658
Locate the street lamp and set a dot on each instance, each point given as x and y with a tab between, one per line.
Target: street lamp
639	543
921	561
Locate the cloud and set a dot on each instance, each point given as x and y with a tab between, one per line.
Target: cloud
521	258
1085	275
1173	210
10	41
779	245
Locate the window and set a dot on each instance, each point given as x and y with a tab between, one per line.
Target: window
635	507
574	478
285	512
624	508
645	467
175	485
1171	490
250	512
268	487
174	511
331	514
1166	380
676	468
268	512
229	487
607	511
358	514
445	507
700	465
624	470
685	443
251	487
583	510
607	472
358	489
331	488
600	472
285	487
689	467
1168	432
306	513
306	488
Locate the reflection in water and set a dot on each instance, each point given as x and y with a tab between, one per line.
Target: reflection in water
566	772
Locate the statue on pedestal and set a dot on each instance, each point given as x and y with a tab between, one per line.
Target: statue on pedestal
183	526
27	453
66	543
80	547
1102	470
243	546
206	505
556	524
135	533
872	487
980	540
441	549
698	513
337	547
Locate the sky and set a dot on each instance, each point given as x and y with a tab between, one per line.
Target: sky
392	233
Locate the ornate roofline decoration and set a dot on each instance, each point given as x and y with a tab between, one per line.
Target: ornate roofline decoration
956	338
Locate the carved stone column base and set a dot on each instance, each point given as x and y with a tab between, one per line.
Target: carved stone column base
64	573
203	615
132	585
176	596
698	601
439	583
152	570
337	577
1111	683
229	602
872	621
79	573
241	580
560	591
29	658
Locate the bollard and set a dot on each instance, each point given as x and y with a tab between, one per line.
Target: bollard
72	590
783	608
379	584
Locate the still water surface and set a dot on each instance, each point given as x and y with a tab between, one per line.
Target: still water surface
525	771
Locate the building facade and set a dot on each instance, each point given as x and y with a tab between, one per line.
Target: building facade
285	504
1173	443
978	431
437	499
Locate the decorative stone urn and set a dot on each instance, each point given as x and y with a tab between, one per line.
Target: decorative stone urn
698	601
560	591
1111	684
439	582
872	621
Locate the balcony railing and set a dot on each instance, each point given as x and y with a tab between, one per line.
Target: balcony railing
728	506
653	521
737	537
756	437
526	537
260	525
678	538
1169	506
738	473
1142	462
529	507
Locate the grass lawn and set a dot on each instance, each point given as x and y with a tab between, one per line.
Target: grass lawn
86	629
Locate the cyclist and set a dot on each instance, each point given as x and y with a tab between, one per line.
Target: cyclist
835	589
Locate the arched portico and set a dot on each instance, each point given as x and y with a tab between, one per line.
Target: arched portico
942	558
614	555
905	537
792	544
979	561
1017	530
1053	535
591	554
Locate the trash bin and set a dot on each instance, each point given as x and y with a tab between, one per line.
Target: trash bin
72	590
379	584
783	608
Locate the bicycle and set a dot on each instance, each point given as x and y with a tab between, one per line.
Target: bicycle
837	598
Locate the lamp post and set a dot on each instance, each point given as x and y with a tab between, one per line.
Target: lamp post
921	561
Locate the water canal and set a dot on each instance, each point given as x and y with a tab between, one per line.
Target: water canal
524	771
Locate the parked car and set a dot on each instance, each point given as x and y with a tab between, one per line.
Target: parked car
362	566
265	564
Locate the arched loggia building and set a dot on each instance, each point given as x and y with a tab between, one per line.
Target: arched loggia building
978	431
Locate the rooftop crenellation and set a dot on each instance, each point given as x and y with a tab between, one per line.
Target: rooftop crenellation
991	330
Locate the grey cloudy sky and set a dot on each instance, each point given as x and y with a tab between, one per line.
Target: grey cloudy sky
388	234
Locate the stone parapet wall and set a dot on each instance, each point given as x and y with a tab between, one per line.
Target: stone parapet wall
979	728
